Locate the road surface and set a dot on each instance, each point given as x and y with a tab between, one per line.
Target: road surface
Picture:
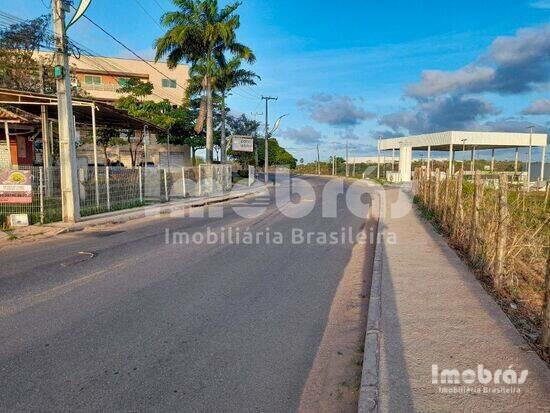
119	319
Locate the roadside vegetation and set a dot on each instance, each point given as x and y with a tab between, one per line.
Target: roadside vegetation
503	232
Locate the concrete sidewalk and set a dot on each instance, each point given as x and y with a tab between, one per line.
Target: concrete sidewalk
435	315
37	232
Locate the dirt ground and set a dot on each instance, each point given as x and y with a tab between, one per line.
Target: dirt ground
334	380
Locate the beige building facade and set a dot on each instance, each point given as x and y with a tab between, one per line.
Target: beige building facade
101	77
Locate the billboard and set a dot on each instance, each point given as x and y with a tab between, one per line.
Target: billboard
15	187
242	144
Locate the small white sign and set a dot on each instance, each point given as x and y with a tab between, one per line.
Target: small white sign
242	144
18	220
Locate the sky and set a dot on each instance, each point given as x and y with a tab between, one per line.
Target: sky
356	70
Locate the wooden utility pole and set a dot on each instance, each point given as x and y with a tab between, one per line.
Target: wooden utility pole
67	147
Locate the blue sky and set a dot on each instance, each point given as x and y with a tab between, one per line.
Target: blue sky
343	71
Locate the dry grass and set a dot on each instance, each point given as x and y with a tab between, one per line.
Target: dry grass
527	228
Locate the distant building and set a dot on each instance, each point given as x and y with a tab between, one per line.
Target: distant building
101	77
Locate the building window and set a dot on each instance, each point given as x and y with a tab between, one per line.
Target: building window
92	80
170	83
122	81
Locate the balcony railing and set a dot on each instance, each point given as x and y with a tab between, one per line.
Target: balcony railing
102	87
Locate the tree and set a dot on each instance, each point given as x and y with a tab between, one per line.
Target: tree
18	68
107	137
225	77
200	33
136	88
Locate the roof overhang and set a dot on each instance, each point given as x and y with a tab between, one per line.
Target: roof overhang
442	141
105	114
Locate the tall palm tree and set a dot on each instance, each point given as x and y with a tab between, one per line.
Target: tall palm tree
224	78
200	33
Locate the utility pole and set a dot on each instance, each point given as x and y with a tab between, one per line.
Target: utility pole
318	161
67	148
266	149
256	114
347	159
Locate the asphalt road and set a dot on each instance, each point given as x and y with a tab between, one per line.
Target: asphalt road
146	325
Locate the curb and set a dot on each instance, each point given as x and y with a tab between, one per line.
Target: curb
122	216
370	377
119	217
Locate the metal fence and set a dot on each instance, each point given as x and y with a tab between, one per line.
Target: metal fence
114	188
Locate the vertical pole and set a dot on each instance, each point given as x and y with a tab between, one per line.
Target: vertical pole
347	160
67	147
333	165
450	168
502	230
108	184
493	160
542	164
200	181
436	189
96	173
529	158
429	168
516	161
140	182
183	183
7	132
393	160
378	161
41	189
457	214
473	159
266	149
354	166
166	197
475	215
318	161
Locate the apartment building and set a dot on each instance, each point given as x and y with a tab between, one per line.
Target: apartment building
101	77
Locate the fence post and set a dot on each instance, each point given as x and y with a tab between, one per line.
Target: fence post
458	205
140	181
165	186
200	181
436	189
502	230
183	183
108	184
545	334
546	193
475	215
446	198
41	191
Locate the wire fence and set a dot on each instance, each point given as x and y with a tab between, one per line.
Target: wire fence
500	227
105	189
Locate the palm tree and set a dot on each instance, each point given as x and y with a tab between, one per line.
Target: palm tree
224	78
200	34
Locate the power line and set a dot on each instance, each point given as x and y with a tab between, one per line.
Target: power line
148	14
130	50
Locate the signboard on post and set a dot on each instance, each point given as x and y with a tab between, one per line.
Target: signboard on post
15	187
242	143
